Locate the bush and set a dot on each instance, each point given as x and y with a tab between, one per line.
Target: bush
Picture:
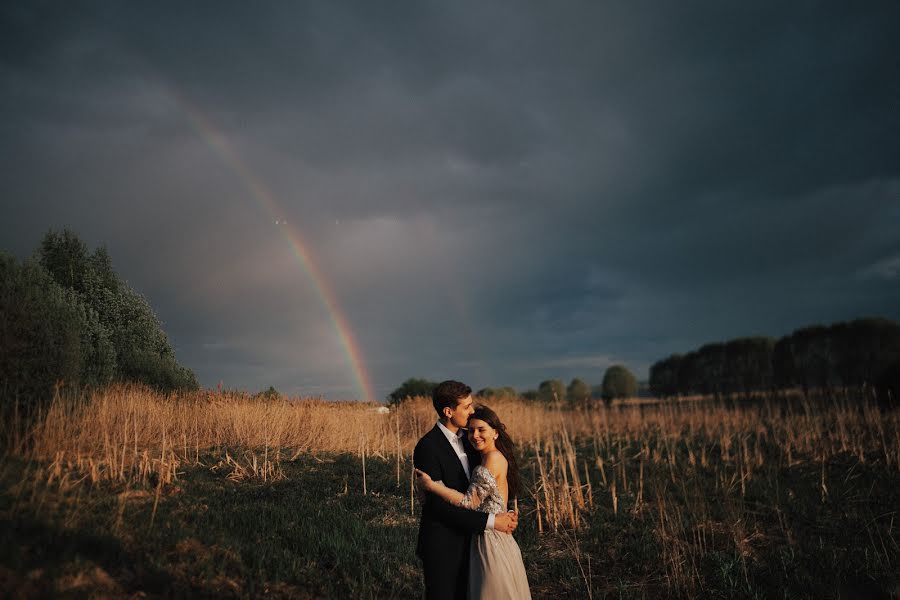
840	355
618	382
551	390
501	392
578	392
411	388
142	352
269	393
48	337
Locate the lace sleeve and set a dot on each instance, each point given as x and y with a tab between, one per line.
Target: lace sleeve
479	489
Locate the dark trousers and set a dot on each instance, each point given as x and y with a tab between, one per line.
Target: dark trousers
446	574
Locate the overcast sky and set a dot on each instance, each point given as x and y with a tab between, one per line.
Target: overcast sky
497	192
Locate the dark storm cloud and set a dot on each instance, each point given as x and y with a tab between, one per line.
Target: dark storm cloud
496	191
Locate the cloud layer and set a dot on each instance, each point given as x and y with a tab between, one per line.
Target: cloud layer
500	194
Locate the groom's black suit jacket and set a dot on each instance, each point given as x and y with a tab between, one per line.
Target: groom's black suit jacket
445	530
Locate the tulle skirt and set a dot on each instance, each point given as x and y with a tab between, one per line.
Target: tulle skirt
496	570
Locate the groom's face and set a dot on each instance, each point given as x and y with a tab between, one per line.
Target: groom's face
459	416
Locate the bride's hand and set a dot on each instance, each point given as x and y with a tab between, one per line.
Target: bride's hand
423	481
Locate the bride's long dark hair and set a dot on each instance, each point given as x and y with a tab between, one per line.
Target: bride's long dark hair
504	444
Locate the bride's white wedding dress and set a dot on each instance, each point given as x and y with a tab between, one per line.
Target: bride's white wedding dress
496	570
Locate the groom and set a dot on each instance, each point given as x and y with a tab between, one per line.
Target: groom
445	530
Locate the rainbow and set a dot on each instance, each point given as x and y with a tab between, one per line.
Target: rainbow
258	190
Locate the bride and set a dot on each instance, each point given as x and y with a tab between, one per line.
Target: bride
496	569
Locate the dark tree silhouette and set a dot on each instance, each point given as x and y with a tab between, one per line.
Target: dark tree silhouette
618	382
411	388
551	390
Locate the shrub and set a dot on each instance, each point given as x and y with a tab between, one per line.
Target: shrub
618	382
411	388
142	352
48	337
578	392
551	390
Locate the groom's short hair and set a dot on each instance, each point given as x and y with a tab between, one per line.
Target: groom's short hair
447	394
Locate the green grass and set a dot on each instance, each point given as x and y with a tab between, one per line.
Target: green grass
315	535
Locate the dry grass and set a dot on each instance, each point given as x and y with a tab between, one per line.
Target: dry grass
131	434
685	470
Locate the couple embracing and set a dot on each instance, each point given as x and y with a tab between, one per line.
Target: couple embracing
465	540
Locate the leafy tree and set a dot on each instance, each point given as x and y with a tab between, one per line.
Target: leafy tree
65	257
578	392
853	353
412	388
507	392
501	392
97	350
784	369
888	381
531	395
842	354
664	381
813	357
618	382
748	365
102	270
551	390
268	393
47	337
142	349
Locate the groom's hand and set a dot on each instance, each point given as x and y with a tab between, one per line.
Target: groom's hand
506	522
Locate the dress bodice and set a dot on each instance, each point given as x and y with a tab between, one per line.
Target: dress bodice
484	493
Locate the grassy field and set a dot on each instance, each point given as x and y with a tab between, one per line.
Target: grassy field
138	495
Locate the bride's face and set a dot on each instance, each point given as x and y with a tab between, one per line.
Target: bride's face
482	435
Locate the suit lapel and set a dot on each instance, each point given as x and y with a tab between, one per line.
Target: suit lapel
450	457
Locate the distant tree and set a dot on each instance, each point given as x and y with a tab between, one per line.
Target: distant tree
501	392
47	337
66	258
551	390
842	354
739	365
812	358
784	370
664	381
709	368
578	392
97	349
268	393
142	349
412	388
690	374
618	382
531	395
864	349
888	383
101	266
748	365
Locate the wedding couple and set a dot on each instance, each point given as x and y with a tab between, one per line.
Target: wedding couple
465	535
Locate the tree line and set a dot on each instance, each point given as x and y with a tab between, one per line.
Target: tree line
68	319
844	354
618	382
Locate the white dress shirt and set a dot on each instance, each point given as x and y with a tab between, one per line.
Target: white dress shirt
456	443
